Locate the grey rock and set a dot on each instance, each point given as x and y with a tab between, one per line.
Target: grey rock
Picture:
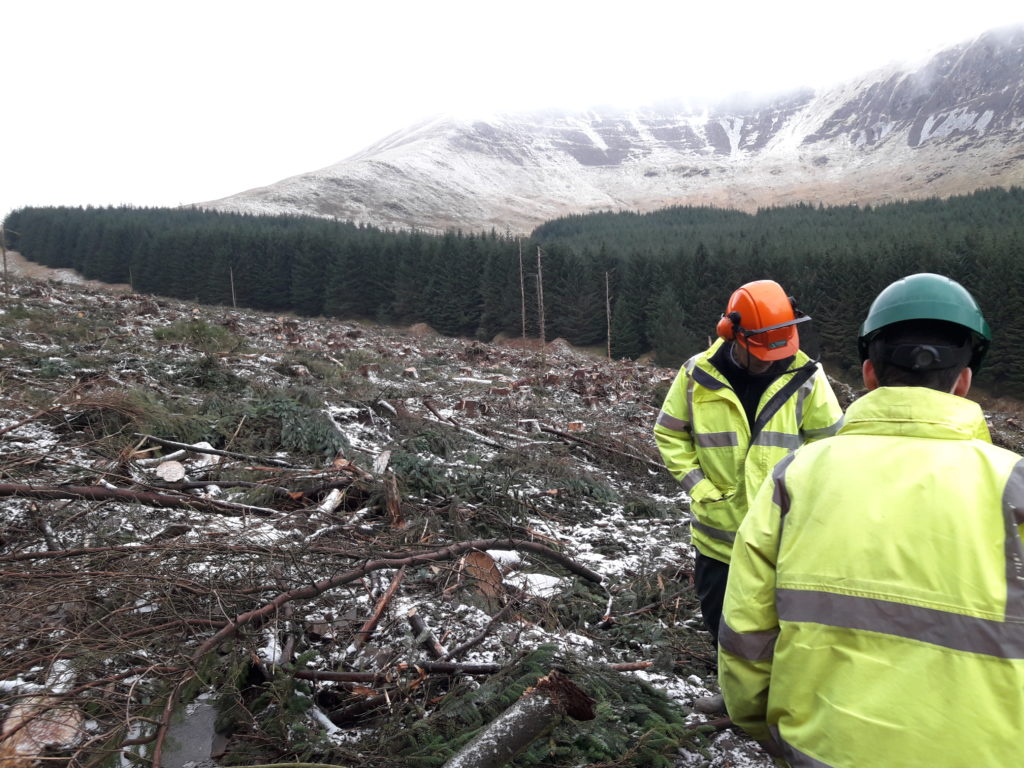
710	705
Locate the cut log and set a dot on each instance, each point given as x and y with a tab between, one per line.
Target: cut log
533	715
331	501
483	575
35	724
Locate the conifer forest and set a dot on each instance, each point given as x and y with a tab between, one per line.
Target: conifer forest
654	283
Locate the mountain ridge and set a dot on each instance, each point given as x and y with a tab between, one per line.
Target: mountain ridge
949	125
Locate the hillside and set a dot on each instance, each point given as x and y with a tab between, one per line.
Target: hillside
510	496
946	126
364	531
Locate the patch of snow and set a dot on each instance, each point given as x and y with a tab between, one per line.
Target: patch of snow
272	651
538	584
145	606
18	685
507	559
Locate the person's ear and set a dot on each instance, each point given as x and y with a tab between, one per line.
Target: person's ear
963	382
867	372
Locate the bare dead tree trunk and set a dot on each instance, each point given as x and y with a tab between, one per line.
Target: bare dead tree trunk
231	279
540	303
3	248
608	314
522	288
533	715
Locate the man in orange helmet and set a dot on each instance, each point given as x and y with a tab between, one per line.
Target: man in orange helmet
733	412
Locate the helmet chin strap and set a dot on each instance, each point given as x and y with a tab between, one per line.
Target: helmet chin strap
750	356
732	354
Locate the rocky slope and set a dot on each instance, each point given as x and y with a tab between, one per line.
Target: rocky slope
946	126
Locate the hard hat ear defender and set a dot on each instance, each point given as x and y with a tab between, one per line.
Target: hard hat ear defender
727	326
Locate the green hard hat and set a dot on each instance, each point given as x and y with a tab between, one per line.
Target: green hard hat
926	296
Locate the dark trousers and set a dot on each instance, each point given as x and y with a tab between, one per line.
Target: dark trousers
709	577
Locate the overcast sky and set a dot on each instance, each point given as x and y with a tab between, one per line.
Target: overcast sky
151	102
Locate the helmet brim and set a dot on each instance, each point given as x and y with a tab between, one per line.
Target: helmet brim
771	349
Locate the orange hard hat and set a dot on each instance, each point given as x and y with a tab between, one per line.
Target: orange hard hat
762	319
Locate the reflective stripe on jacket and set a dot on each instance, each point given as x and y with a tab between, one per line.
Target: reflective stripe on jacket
704	438
874	614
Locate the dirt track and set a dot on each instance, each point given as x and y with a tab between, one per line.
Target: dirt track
18	266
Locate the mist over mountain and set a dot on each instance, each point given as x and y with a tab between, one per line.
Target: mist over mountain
949	125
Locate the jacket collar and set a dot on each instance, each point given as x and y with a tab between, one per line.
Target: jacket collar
916	412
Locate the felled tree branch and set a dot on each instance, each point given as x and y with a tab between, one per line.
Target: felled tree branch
566	436
258	615
135	550
402	668
33	417
464	430
631	666
213	451
351	712
364	633
165	720
424	636
522	545
431	668
480	636
150	499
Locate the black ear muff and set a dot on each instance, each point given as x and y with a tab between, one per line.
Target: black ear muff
728	324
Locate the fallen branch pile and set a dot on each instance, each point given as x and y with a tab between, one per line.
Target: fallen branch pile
355	565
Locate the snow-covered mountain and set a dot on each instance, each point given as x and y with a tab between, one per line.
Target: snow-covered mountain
950	125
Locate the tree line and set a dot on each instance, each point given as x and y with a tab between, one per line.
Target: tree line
666	275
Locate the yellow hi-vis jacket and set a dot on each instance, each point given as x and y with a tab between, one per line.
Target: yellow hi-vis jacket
874	614
704	438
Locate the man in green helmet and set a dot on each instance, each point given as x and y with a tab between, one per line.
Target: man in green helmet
874	613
